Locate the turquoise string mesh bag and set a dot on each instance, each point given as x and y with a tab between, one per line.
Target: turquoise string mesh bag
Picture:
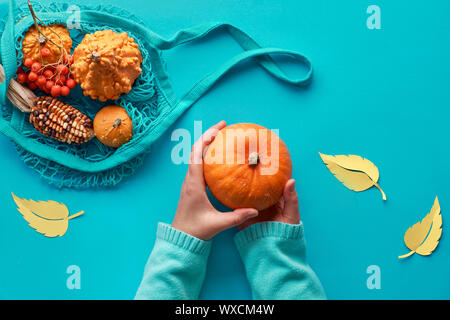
152	103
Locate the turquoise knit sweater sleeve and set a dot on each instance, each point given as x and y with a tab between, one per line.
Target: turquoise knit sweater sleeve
176	267
274	256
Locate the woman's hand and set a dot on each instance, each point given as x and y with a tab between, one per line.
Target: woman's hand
286	210
195	214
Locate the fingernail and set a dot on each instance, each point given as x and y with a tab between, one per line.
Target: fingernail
292	187
253	213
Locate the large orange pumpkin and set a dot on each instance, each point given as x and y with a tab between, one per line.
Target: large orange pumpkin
247	166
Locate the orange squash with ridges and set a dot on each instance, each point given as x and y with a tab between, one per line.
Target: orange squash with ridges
106	64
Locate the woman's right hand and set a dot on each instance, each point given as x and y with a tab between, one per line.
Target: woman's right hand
286	210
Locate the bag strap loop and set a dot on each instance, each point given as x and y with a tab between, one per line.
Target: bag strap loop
251	50
245	41
201	87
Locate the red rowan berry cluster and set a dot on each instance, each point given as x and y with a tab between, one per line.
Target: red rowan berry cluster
55	80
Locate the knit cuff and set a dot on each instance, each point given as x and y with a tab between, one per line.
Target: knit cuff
272	229
182	240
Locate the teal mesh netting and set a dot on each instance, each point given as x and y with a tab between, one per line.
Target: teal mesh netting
142	103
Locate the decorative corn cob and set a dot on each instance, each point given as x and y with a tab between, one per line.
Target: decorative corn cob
60	121
49	116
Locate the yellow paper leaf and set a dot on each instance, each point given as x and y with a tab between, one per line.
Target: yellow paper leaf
49	218
423	237
356	173
50	210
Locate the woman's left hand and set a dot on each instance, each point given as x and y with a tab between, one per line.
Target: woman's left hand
195	214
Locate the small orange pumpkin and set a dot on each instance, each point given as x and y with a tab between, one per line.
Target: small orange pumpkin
113	126
247	166
32	44
106	64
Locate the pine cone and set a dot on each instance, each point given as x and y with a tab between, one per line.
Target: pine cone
60	121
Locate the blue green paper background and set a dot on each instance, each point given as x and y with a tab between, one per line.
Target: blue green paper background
382	94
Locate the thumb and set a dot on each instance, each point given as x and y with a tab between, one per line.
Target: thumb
290	196
235	218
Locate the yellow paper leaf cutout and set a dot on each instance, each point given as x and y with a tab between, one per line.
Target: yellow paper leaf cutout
49	218
50	210
423	237
354	163
415	235
356	173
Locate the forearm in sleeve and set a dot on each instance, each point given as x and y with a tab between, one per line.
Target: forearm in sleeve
275	262
176	267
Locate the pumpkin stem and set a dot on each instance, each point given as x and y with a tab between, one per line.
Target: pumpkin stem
42	40
117	123
95	56
253	158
